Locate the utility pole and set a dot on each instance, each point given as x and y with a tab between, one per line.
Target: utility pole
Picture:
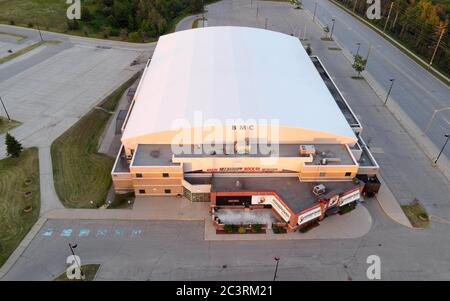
277	259
315	9
435	49
390	89
442	149
354	5
39	30
332	29
389	15
7	115
257	9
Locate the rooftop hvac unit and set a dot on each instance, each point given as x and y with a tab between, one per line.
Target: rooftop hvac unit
319	189
307	150
324	161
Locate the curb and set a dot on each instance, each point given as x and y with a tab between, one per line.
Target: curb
398	45
410	127
12	259
387	212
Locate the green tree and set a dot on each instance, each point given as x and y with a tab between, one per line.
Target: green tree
13	147
359	64
196	6
308	49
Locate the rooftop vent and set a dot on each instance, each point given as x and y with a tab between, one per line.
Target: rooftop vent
307	150
155	153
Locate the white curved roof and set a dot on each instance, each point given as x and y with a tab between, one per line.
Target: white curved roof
233	72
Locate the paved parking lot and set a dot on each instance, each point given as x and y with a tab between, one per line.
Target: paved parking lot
176	250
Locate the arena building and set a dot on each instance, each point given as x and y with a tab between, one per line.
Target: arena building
242	118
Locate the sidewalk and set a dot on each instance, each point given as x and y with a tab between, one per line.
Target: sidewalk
390	205
145	208
354	224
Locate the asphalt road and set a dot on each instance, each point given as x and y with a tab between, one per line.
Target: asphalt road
176	250
417	91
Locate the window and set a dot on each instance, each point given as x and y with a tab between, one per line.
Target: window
167	191
142	191
322	174
138	175
165	175
348	174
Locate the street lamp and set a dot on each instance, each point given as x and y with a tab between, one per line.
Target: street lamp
359	46
277	259
442	149
7	114
332	28
315	8
392	80
73	246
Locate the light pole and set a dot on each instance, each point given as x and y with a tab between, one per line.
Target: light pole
442	149
437	45
392	80
359	46
39	30
73	246
315	8
7	115
332	28
277	259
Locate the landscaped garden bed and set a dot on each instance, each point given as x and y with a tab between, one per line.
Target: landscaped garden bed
347	208
309	226
242	229
279	230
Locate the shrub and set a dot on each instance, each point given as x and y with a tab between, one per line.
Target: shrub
242	230
228	228
134	37
256	228
347	208
278	230
30	24
12	22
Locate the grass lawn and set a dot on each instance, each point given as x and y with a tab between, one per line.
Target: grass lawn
89	270
6	125
80	173
416	214
121	201
19	199
49	14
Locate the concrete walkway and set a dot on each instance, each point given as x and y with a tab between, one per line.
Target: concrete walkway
390	205
145	208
